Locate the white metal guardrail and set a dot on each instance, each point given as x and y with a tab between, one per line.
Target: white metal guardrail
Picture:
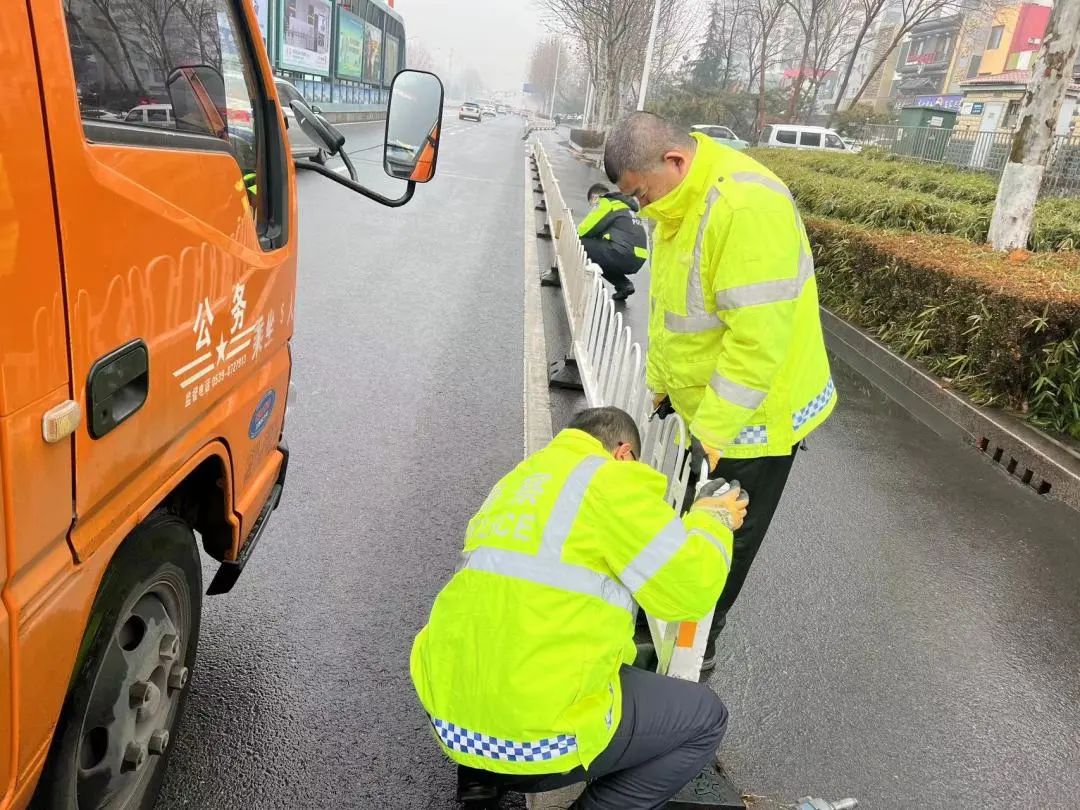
612	370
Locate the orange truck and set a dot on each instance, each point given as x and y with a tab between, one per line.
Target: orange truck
148	251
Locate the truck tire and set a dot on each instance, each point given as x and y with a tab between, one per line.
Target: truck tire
130	682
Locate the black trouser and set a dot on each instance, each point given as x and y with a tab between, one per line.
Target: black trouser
764	479
616	261
669	731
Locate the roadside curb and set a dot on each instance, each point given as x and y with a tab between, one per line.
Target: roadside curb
1026	453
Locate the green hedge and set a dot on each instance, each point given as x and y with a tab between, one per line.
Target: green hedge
892	193
1003	329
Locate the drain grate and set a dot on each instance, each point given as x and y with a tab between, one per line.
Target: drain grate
1014	466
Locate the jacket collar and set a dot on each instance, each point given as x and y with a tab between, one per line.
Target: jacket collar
670	209
580	443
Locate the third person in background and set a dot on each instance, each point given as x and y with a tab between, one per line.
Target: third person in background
735	338
614	237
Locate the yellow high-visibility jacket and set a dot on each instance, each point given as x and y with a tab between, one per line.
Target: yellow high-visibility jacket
735	334
518	666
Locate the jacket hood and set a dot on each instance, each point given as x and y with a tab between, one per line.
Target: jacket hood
631	202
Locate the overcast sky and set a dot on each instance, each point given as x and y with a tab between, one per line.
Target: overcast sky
494	36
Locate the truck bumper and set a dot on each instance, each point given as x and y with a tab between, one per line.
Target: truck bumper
230	570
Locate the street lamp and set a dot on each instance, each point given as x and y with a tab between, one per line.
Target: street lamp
648	55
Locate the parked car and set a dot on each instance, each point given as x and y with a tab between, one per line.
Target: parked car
721	135
470	111
488	110
152	115
299	143
797	136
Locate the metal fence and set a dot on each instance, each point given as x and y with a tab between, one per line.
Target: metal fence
979	151
612	369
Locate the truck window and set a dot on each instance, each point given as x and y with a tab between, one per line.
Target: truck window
190	64
785	136
833	142
810	139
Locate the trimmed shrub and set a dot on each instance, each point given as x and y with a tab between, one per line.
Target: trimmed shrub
895	193
1003	329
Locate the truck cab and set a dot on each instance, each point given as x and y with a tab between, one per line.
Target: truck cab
147	285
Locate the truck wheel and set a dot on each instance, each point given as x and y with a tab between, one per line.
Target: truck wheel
129	686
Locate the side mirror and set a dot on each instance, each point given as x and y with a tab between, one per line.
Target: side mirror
321	131
413	124
194	92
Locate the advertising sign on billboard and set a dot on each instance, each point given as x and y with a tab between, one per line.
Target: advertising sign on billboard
392	47
350	58
373	55
306	36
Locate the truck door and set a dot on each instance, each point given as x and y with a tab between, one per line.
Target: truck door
175	236
35	475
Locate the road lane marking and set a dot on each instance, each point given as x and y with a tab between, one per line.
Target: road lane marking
537	398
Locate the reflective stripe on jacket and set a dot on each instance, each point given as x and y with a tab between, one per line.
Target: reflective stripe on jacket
734	330
518	666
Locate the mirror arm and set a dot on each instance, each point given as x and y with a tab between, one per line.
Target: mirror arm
389	202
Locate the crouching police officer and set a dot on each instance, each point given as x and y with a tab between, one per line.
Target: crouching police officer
614	238
523	665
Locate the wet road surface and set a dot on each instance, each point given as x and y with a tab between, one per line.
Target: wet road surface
909	634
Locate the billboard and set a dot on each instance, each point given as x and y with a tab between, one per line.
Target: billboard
306	36
392	48
373	55
944	102
350	56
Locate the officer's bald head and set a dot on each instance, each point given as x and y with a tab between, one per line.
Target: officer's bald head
613	427
647	156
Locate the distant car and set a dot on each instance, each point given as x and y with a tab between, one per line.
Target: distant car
796	136
488	110
470	111
300	144
721	135
152	115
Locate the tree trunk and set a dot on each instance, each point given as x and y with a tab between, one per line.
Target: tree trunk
849	68
796	88
1014	209
761	80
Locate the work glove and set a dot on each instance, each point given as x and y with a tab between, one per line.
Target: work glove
699	452
661	407
725	501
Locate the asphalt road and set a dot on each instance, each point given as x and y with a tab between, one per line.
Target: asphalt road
910	632
909	635
408	364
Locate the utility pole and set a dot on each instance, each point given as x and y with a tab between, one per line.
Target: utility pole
1014	209
648	56
555	84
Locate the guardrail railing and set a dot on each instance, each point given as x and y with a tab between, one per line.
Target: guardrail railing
612	370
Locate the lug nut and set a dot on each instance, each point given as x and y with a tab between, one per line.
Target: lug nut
134	756
159	741
170	646
141	694
178	678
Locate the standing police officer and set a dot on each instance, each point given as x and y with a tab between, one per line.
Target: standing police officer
523	667
735	338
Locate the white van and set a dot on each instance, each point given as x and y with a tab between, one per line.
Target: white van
154	115
795	136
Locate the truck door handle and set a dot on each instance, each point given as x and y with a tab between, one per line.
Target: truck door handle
117	387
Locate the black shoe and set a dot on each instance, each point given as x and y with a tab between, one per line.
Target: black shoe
550	279
709	662
622	293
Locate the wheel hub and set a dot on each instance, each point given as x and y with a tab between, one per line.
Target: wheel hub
132	705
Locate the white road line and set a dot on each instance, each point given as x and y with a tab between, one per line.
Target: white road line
537	399
180	372
196	377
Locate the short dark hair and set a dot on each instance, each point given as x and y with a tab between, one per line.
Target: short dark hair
638	143
599	189
612	426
